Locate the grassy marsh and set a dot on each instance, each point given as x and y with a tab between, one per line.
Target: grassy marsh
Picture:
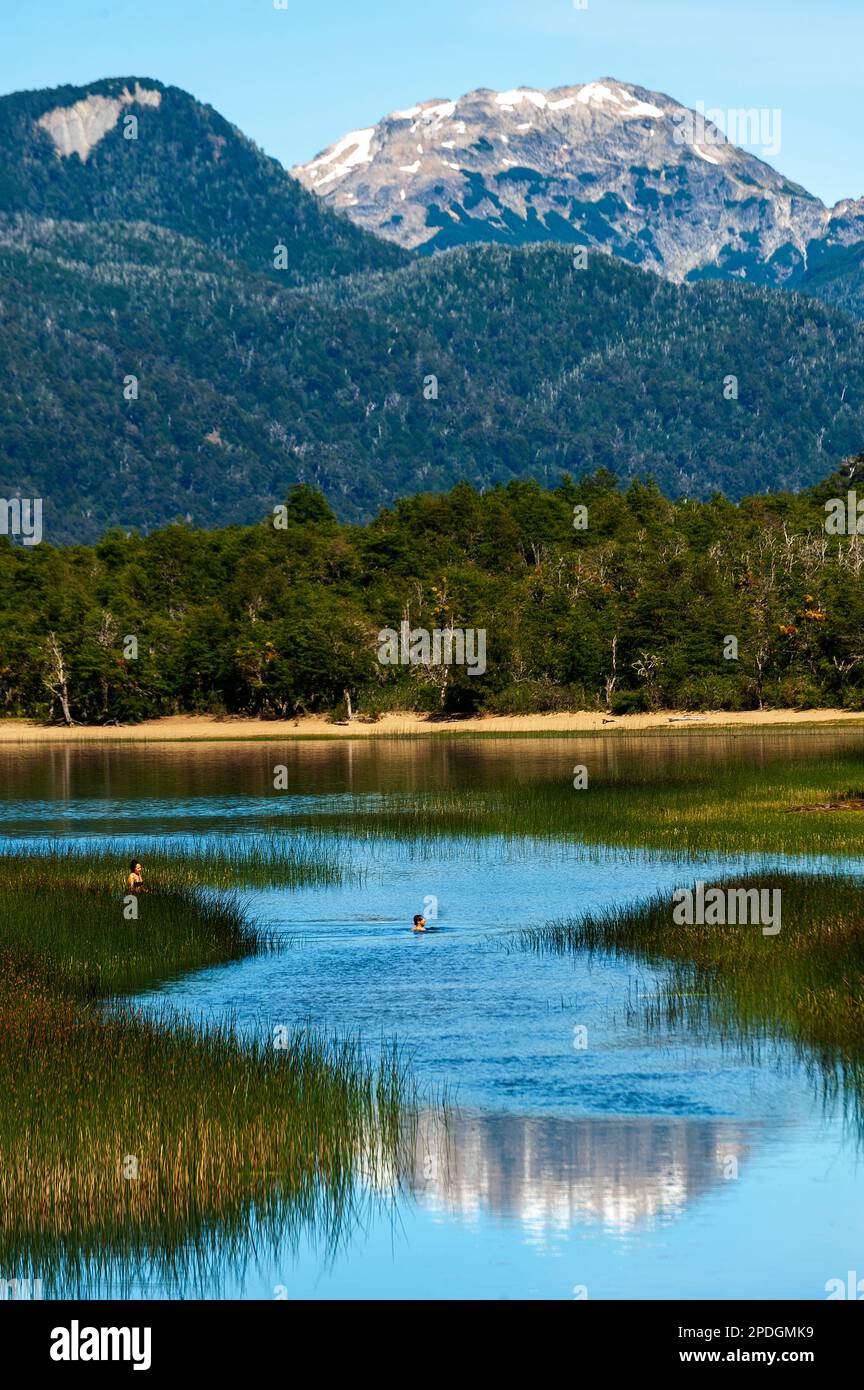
684	808
122	1132
805	985
271	857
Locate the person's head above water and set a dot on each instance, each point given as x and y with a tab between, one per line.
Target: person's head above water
419	923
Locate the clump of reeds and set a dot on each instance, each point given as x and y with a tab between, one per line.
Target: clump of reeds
76	934
806	984
233	861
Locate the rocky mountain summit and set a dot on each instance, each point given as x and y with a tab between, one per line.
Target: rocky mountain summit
604	164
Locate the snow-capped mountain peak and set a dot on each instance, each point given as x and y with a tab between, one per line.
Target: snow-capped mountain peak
605	163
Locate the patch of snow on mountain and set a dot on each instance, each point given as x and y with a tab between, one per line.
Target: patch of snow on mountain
597	93
522	94
441	112
352	150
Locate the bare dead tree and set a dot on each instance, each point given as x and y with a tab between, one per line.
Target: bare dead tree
107	630
612	678
843	665
55	679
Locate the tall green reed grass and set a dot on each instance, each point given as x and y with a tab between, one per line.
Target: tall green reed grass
262	859
681	808
230	1138
805	985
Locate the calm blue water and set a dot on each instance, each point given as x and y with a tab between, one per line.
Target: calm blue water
643	1165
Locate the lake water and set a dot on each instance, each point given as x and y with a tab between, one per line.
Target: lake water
644	1165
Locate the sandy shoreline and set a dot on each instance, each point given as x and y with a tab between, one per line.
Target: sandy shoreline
206	728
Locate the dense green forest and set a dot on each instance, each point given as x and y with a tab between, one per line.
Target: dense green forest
242	388
628	605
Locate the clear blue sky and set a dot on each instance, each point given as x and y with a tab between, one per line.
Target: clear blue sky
296	79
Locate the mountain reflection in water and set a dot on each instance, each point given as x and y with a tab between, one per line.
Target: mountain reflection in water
549	1172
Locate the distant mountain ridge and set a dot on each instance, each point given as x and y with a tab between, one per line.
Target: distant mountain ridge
605	164
362	369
